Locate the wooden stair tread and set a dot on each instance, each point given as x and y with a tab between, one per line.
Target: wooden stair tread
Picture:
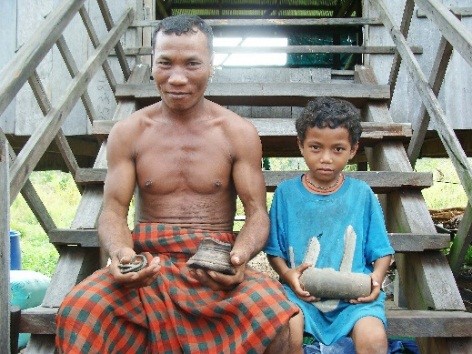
279	137
401	242
379	181
276	23
401	322
285	127
266	94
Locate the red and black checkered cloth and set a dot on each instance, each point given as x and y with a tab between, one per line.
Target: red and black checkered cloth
174	314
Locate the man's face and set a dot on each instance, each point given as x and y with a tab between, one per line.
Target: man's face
181	68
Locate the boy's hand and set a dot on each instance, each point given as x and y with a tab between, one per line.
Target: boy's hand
374	294
292	278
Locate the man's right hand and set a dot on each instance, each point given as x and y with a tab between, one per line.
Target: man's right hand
142	278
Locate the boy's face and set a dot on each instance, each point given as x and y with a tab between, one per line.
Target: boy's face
326	151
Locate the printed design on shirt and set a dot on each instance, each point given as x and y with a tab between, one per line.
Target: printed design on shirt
311	256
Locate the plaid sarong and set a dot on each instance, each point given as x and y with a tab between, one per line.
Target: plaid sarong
173	315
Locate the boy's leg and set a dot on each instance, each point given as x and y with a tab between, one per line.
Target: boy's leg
369	336
290	338
297	325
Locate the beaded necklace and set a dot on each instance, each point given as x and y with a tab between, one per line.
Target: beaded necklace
324	190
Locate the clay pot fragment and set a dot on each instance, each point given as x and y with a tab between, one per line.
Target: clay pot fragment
213	255
328	283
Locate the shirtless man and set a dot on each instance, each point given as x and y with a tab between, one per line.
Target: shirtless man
190	159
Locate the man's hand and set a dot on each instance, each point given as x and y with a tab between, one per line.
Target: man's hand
219	281
142	278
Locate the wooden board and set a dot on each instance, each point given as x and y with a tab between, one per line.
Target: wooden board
400	242
267	94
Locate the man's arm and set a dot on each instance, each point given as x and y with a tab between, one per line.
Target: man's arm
114	234
250	186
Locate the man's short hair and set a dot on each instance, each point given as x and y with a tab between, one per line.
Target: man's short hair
180	24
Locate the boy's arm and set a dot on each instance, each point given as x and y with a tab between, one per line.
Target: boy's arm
381	266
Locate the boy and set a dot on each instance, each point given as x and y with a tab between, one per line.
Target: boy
322	206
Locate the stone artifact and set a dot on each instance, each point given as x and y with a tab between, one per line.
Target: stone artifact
328	283
138	262
213	255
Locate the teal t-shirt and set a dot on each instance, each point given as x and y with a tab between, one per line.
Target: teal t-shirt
300	219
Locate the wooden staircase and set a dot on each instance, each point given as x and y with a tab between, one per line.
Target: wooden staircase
427	306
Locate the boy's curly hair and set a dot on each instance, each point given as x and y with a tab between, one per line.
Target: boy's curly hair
322	112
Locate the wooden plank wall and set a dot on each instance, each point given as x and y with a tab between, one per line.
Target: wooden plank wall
8	41
53	72
455	96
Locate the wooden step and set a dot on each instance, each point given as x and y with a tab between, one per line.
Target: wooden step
411	323
250	24
267	94
380	181
279	137
401	242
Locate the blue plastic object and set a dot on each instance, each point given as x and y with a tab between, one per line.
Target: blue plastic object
27	290
15	250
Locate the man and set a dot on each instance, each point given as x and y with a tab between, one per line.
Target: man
190	158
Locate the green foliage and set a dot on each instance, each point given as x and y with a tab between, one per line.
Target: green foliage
446	192
59	194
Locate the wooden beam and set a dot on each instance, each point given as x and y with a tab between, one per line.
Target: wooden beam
401	322
45	106
73	71
4	245
379	181
286	127
21	66
268	94
71	258
96	43
233	22
31	197
461	241
292	49
404	27
436	78
109	23
425	277
48	128
450	26
401	242
429	323
433	107
459	11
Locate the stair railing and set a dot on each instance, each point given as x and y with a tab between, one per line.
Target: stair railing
454	36
15	170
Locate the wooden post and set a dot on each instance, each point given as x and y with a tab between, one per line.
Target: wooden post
4	245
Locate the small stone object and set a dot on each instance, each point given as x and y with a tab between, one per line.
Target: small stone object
328	283
137	263
213	255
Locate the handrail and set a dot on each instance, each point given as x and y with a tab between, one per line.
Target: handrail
15	74
4	244
48	128
460	38
450	26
